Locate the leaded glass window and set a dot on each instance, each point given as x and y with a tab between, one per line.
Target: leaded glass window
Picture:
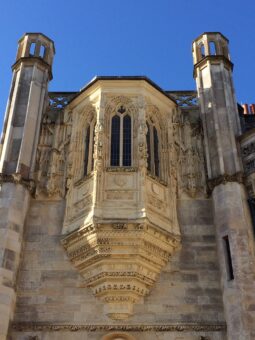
121	138
115	141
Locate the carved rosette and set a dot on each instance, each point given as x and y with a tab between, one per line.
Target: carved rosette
120	262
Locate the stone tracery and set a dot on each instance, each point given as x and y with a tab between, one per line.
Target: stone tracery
119	252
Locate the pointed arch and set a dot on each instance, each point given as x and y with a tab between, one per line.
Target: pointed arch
121	136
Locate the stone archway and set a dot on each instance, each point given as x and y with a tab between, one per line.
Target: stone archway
118	336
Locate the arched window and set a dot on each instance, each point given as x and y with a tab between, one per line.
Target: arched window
89	149
202	50
153	160
115	141
32	49
42	51
212	47
121	139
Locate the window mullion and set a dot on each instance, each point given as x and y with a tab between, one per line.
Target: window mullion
121	140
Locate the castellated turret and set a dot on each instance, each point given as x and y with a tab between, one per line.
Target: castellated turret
32	72
213	75
222	129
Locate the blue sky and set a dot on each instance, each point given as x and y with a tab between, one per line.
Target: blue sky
129	37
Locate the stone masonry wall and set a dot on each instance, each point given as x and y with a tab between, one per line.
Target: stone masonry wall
14	202
50	291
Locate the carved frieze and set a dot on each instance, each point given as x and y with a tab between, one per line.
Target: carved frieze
177	327
121	169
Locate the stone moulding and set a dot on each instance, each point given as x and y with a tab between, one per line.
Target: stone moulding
17	179
121	169
178	327
120	262
225	178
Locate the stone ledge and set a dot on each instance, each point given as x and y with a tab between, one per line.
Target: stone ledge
17	179
178	327
223	179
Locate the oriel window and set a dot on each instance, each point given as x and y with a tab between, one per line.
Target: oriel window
121	138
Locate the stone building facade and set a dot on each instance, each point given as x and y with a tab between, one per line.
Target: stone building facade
126	210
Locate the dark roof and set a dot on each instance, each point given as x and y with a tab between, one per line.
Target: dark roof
97	78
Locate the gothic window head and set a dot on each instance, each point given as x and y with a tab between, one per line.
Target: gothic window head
121	138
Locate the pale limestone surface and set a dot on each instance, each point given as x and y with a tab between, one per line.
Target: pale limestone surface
94	251
188	290
232	220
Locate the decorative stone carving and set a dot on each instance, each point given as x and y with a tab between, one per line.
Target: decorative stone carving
248	153
225	178
58	100
120	262
178	327
17	179
51	156
191	161
121	169
120	226
185	99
